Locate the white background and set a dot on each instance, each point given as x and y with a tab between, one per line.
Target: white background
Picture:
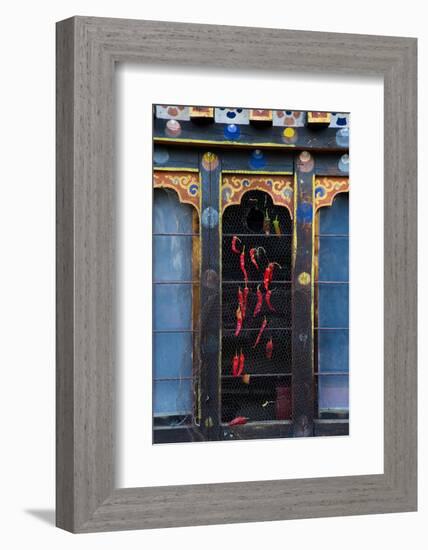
138	87
27	289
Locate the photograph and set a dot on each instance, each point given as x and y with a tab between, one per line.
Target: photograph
250	273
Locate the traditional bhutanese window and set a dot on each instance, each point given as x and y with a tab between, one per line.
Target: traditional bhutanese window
263	393
332	320
175	308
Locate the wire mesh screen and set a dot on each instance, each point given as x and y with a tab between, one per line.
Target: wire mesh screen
256	310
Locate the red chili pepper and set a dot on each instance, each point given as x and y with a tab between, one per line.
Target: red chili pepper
238	420
242	264
262	328
267	277
269	349
253	252
245	299
267	299
234	241
241	363
238	321
235	364
259	301
241	302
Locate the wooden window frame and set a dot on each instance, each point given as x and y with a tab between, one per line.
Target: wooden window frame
87	50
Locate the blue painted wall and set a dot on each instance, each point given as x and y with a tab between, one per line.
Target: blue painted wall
172	261
333	306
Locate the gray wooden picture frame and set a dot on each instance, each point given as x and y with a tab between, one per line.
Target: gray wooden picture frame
87	50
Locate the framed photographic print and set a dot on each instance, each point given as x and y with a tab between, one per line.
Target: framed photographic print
259	347
236	274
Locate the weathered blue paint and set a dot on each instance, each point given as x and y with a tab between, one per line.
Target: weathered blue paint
304	212
169	215
172	304
333	305
335	219
333	350
172	397
173	357
210	217
172	258
333	393
334	259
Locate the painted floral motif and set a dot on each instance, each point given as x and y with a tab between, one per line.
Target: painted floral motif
185	184
210	161
176	112
327	188
293	119
339	120
228	115
261	115
280	188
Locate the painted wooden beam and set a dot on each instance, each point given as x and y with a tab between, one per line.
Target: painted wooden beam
210	170
251	160
303	293
247	136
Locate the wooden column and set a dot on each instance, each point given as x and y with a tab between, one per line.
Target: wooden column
210	170
302	302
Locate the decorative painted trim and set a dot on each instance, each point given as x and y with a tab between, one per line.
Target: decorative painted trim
327	188
319	117
185	184
175	169
243	144
261	115
259	172
279	188
201	112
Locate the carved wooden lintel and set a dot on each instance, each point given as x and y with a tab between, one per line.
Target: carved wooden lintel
185	184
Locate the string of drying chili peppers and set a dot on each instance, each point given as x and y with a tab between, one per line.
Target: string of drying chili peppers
268	274
268	296
262	328
235	249
238	321
238	364
259	302
245	294
242	265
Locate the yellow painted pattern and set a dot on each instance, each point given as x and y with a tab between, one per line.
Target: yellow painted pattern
185	184
280	189
327	188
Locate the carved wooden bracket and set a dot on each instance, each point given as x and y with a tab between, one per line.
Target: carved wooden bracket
280	189
185	184
327	188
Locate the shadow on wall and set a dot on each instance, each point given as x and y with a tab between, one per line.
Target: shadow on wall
45	515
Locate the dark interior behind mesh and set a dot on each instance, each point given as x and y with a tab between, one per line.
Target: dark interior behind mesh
265	394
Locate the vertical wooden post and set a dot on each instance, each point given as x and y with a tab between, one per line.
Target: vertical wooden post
210	170
302	300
